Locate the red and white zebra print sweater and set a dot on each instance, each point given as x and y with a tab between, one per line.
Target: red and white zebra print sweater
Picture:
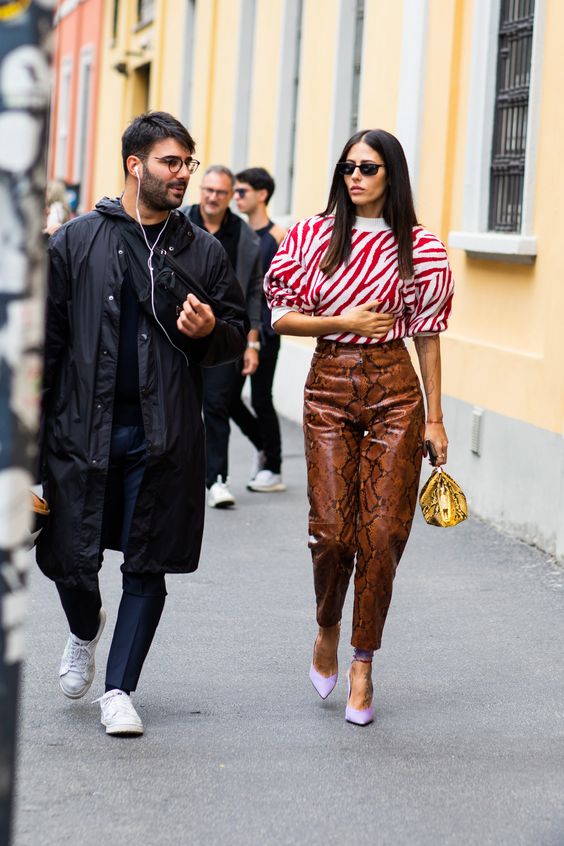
422	304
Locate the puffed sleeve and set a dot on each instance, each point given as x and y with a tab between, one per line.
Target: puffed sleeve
286	283
430	298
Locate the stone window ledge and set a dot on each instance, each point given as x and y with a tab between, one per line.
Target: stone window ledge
496	246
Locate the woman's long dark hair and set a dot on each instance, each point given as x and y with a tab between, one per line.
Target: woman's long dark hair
398	211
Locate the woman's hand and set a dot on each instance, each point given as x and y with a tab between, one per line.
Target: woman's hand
436	434
362	320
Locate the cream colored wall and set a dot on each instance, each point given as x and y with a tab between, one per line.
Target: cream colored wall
311	161
503	350
170	55
441	105
380	65
266	78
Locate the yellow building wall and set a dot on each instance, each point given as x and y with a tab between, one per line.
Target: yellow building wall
267	69
379	85
441	105
311	162
204	75
549	224
215	73
503	349
121	96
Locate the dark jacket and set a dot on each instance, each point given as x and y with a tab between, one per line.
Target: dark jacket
87	266
249	265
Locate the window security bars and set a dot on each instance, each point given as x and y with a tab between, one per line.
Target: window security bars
510	121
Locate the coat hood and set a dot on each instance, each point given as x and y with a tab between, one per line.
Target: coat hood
179	231
112	206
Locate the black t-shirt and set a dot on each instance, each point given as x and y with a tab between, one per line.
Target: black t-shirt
127	405
268	249
268	245
227	234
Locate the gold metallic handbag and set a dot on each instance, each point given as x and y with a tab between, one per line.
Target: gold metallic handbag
442	500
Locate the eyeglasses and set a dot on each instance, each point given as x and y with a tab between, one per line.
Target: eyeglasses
218	191
241	192
366	168
175	163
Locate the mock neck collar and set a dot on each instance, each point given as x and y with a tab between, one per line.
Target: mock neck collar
371	224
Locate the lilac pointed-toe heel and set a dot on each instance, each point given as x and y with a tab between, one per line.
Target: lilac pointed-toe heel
359	718
323	684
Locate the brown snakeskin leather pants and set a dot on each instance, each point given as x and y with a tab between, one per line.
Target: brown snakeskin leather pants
363	428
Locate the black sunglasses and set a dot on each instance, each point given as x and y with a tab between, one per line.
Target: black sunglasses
366	168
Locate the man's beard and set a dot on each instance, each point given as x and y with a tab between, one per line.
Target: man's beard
153	193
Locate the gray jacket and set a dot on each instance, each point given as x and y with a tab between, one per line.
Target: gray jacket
249	268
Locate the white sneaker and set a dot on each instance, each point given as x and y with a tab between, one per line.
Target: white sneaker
118	714
267	482
219	495
259	462
77	669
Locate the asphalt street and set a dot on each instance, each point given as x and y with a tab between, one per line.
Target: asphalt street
468	743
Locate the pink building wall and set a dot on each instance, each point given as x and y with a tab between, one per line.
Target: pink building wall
76	65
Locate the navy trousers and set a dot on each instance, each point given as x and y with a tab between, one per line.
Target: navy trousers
143	595
261	428
221	384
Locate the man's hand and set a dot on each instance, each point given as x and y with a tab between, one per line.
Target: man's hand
362	320
196	320
250	362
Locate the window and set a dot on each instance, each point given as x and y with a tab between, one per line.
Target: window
511	108
295	96
115	20
346	77
188	64
411	94
63	119
288	95
502	131
141	88
83	116
145	10
357	65
242	103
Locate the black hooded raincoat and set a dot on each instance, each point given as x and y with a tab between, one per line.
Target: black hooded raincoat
87	266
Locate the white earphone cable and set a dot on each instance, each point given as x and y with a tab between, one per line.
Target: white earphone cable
150	265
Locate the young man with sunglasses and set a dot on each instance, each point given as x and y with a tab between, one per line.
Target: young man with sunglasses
123	441
222	385
253	189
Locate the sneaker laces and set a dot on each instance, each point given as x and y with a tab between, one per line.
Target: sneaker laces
115	702
77	656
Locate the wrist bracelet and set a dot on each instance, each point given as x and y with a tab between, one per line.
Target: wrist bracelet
435	421
253	345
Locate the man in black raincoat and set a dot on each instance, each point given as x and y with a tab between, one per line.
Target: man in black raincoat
138	301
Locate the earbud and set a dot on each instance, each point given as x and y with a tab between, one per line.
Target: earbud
136	171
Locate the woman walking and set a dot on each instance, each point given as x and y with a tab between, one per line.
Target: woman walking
361	277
